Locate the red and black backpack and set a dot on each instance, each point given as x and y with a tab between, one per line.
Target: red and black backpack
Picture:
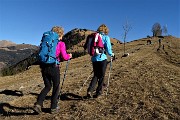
94	44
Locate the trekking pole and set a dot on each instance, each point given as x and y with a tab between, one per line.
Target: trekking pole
109	76
84	82
63	78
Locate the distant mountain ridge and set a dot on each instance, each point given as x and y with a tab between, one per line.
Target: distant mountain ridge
12	53
5	43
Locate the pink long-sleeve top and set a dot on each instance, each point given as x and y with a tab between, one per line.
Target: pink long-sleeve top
61	51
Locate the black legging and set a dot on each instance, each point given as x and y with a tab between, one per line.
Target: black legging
99	68
51	76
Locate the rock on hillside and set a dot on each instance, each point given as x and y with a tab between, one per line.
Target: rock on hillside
75	39
76	35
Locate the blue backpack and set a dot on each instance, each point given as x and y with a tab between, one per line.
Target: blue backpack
47	52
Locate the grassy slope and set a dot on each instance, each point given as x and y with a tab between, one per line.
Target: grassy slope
144	85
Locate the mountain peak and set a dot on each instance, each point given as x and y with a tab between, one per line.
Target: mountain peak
6	43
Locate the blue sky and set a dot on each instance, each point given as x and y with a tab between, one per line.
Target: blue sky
24	21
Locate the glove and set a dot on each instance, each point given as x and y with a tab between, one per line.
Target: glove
112	57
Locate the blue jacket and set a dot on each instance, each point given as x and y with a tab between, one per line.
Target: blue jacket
108	48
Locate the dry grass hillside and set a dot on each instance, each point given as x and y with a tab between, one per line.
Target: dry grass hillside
143	86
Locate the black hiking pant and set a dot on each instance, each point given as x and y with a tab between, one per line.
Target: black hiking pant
51	77
99	68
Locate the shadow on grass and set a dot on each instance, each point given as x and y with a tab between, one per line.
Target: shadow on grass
18	111
47	97
64	96
70	96
12	92
15	111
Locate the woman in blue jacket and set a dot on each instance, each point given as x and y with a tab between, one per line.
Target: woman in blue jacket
100	63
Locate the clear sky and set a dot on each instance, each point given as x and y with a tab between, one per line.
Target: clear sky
24	21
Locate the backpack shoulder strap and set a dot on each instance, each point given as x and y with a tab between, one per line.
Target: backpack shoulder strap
87	40
97	35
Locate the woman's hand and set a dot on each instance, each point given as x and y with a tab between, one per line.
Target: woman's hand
70	55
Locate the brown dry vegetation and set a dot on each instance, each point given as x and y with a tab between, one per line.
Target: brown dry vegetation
143	86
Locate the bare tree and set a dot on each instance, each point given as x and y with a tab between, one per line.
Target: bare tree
126	27
164	29
156	29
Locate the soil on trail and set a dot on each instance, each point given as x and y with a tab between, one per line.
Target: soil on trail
144	85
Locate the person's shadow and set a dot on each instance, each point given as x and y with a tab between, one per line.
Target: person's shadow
70	96
12	92
13	110
8	110
64	96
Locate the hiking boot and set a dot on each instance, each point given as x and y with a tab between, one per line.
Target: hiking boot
89	95
98	95
104	86
37	109
55	110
